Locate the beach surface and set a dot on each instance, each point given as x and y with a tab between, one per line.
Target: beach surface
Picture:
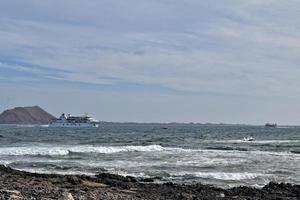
16	184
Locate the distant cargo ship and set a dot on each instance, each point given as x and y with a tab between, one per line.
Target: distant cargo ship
74	121
274	125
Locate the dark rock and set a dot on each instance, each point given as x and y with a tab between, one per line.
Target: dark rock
23	185
116	180
282	189
131	179
74	180
147	180
169	184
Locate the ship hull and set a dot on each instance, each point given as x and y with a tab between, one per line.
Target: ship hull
73	125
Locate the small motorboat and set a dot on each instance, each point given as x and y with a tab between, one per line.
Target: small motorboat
248	139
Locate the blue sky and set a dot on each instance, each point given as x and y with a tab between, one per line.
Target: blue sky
226	61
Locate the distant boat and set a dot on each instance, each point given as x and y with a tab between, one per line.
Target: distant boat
74	121
270	125
248	139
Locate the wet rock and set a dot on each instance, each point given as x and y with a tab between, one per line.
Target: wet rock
170	184
107	176
147	180
5	169
74	180
131	179
282	189
116	180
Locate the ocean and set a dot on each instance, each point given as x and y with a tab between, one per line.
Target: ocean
181	153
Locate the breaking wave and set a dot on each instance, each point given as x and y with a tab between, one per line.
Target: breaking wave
65	150
85	149
222	175
228	148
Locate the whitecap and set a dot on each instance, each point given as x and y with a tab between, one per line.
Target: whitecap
19	151
64	150
115	149
222	175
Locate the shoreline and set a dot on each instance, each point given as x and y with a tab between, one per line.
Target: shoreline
15	184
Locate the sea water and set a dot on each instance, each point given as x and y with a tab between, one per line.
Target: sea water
182	153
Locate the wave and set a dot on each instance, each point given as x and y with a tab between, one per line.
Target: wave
256	141
230	151
115	149
49	171
44	151
83	149
251	142
222	175
65	150
227	148
87	149
296	152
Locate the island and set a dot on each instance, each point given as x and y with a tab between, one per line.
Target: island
25	115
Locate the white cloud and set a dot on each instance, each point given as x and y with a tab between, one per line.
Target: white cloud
243	54
232	47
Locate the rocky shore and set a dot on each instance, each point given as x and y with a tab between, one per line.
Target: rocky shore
23	185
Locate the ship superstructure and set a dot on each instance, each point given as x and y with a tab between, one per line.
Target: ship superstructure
74	121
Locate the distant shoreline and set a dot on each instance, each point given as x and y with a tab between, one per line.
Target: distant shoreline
158	124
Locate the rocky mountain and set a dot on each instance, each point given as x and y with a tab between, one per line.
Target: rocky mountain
25	115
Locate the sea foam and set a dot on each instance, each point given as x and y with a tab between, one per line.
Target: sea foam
69	149
222	175
65	150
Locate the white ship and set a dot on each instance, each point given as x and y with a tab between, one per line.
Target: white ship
74	121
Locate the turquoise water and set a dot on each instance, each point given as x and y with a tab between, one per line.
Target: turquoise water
213	154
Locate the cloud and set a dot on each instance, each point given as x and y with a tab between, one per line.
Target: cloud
186	46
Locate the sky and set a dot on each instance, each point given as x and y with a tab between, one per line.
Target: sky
229	61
